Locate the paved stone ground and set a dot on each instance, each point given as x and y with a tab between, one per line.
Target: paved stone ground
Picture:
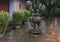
52	35
53	31
22	35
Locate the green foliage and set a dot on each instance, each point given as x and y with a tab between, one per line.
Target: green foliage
50	8
27	15
18	16
42	9
3	21
55	11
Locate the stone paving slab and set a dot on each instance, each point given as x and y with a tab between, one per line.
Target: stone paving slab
22	35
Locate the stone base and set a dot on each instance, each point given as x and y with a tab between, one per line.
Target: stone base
35	31
32	35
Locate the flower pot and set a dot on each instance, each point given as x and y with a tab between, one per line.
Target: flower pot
1	35
26	23
17	26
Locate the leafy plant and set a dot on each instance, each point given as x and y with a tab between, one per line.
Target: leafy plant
18	16
3	21
52	8
42	9
27	15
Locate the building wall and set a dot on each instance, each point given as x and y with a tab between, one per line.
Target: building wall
18	5
23	5
11	7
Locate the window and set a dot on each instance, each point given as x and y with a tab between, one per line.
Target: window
20	6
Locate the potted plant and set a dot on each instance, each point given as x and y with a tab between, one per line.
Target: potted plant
3	22
27	16
18	16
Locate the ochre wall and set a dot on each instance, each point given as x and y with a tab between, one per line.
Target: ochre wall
4	5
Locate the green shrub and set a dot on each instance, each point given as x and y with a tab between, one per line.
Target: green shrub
18	16
47	12
3	21
55	11
42	9
27	15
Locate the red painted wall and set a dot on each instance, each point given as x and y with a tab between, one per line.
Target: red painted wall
4	5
